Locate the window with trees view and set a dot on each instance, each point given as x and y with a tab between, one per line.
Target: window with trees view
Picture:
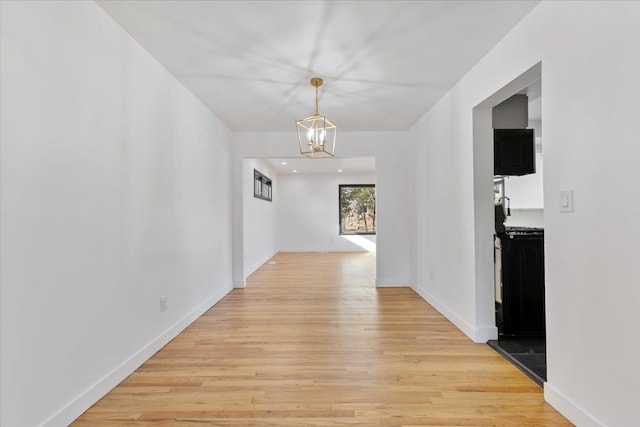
357	209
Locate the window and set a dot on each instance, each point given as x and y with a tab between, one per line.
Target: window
357	209
261	186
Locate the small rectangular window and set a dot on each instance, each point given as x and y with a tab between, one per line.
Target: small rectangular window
261	186
357	206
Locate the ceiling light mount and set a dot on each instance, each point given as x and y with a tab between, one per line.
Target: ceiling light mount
316	133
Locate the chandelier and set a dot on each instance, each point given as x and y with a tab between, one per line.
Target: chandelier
316	134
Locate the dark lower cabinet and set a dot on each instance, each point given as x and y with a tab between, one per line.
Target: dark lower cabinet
523	284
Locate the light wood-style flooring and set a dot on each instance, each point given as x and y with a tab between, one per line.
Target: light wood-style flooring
312	342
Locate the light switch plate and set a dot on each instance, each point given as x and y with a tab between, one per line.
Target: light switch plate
566	201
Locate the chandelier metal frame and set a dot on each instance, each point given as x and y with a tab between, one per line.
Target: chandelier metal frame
317	133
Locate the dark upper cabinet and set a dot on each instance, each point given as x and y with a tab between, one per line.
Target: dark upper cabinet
514	152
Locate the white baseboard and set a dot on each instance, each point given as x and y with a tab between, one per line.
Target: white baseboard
256	266
485	333
391	283
239	284
567	407
65	415
478	334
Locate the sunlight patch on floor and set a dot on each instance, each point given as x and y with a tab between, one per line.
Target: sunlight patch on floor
361	241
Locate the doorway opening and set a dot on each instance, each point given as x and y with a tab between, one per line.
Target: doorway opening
511	126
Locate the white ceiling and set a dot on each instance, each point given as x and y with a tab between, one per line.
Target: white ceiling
385	63
305	166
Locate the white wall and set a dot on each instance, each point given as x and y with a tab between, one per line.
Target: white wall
115	190
590	63
526	197
389	150
392	205
525	191
308	213
260	217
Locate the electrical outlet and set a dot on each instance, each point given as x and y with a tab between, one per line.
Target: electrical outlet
163	303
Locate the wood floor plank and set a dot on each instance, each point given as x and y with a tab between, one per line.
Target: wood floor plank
312	342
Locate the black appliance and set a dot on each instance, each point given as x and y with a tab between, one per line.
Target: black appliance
514	152
522	310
